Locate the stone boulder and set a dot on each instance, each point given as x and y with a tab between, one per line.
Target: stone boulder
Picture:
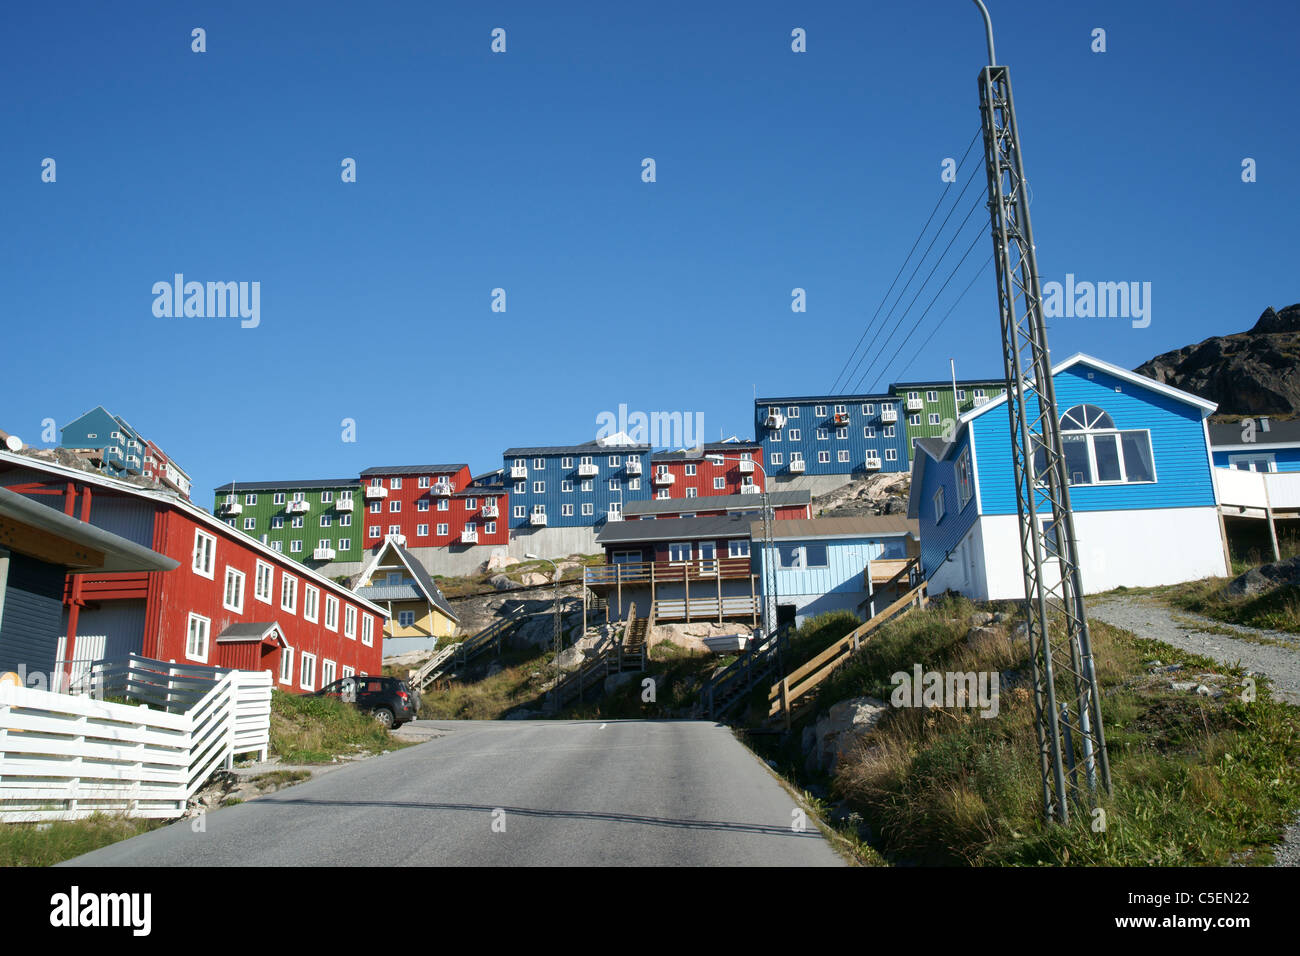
840	729
980	618
984	636
691	636
532	579
570	659
499	560
893	505
502	583
1265	578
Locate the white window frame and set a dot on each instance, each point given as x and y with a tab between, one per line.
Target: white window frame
310	603
332	612
307	671
238	606
203	562
940	509
286	664
367	630
350	621
206	627
268	596
288	584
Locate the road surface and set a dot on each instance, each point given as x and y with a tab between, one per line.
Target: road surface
512	793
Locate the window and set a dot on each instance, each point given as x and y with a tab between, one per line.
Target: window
233	598
588	508
265	574
326	521
823	434
586	485
914	418
295	547
823	457
405	618
844	455
326	672
521	487
934	418
615	461
196	640
250	524
376	482
891	454
820	411
310	603
350	622
347	671
345	544
331	612
964	485
250	499
277	546
679	551
938	506
394	506
869	431
775	458
719	483
471	504
307	678
868	409
421	530
692	492
297	496
205	554
776	436
566	485
279	498
490	527
394	529
289	593
374	532
422	504
445	505
961	394
634	484
296	522
979	393
286	666
566	511
396	483
690	471
442	528
326	497
1258	461
888	431
791	412
539	487
931	396
842	432
1096	452
367	630
796	456
913	396
519	511
794	434
566	461
841	409
425	481
738	548
539	462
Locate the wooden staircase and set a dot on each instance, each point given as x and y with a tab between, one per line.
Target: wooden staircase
457	655
729	686
792	695
627	653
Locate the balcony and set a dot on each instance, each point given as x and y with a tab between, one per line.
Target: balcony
588	470
442	488
749	489
469	537
537	519
888	413
775	420
915	404
518	471
873	464
298	507
231	508
634	466
614	516
376	492
841	419
323	554
797	466
665	478
980	400
396	539
489	511
343	504
665	572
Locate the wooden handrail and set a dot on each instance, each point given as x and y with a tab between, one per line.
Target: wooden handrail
667	572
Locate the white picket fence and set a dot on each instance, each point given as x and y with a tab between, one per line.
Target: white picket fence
66	756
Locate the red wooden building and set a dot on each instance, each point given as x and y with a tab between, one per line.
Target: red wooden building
232	602
695	472
432	506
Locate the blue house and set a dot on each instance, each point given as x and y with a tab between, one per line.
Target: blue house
1256	444
575	486
1141	486
833	564
831	435
121	447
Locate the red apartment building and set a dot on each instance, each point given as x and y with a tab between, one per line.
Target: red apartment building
693	473
432	506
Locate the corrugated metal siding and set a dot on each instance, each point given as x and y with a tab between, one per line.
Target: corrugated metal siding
33	609
113	629
1178	447
599	497
808	444
937	540
132	518
846	561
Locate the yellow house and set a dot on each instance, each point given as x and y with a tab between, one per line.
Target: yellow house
394	579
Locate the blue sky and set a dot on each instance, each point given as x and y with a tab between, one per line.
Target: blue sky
522	170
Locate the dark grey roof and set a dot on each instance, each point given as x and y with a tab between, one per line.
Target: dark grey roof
390	592
686	454
412	469
592	447
119	553
286	485
1279	432
659	506
961	383
676	529
825	399
249	632
860	526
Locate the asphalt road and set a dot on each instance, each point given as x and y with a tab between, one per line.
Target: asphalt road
512	793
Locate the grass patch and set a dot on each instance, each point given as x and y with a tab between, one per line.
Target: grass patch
517	684
1275	610
44	844
308	730
1198	781
279	779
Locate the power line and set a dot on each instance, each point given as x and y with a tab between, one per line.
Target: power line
919	236
961	295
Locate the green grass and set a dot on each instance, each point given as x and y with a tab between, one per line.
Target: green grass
491	697
307	730
1275	610
1198	781
44	844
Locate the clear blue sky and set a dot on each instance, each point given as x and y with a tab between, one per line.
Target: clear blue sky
775	170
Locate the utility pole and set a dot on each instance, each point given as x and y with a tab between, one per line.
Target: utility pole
1059	643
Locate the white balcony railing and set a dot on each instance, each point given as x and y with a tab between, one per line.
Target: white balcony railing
298	507
374	492
614	516
665	478
915	404
469	537
231	507
588	470
746	466
749	489
489	510
775	420
343	504
888	413
323	554
518	471
396	539
537	519
873	464
634	466
980	400
442	488
797	465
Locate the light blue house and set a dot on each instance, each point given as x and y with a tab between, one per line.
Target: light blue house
122	448
1256	444
1141	486
834	564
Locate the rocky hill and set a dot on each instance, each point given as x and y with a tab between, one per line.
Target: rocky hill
1248	373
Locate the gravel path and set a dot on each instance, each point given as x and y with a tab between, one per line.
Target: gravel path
1148	618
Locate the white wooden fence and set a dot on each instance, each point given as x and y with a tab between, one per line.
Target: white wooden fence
65	756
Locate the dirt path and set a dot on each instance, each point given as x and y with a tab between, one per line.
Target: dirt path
1146	617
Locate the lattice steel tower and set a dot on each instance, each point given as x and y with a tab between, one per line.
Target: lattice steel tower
1071	741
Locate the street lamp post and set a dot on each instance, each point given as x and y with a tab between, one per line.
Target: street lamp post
555	580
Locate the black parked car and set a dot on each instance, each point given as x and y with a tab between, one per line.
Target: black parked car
390	700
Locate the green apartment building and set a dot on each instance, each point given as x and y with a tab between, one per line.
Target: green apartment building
314	522
930	407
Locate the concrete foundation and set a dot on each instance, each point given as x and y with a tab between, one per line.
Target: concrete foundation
814	484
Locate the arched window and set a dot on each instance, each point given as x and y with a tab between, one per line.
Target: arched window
1097	453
